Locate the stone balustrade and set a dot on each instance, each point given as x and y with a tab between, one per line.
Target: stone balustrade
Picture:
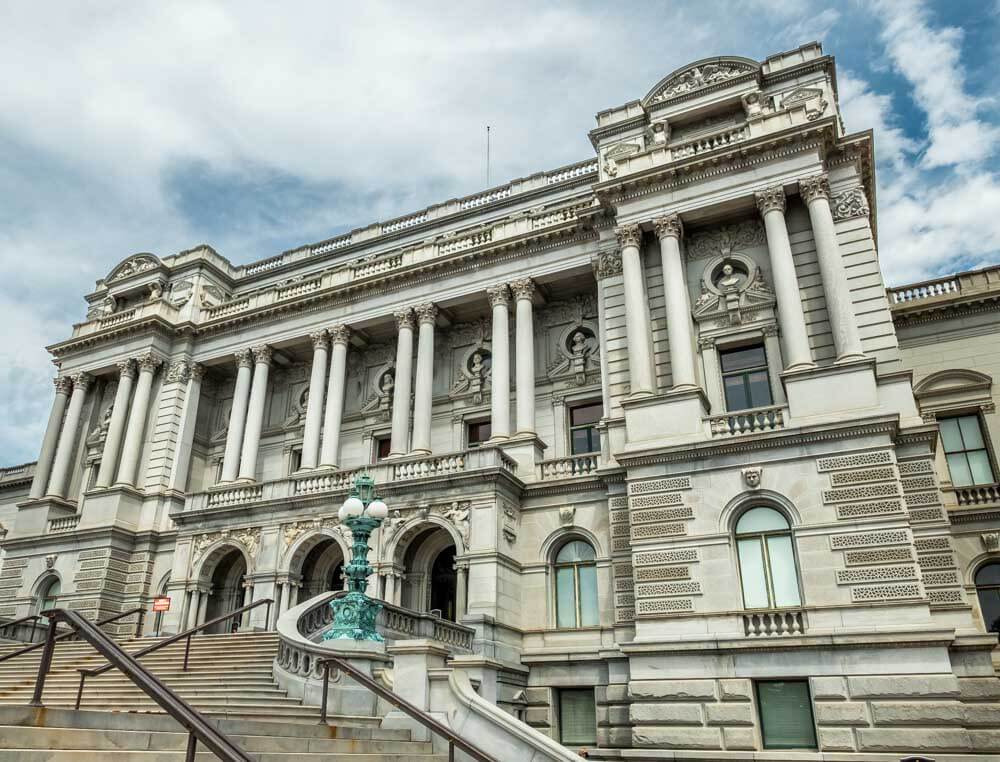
701	145
160	308
925	290
569	467
763	624
753	421
62	524
19	472
979	494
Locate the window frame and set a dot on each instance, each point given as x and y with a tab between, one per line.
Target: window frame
994	587
592	427
760	714
577	598
377	439
766	556
467	425
721	351
984	434
560	692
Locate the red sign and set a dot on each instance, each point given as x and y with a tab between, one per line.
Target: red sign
161	603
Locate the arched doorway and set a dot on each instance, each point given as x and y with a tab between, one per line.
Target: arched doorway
322	569
444	583
430	581
227	590
48	593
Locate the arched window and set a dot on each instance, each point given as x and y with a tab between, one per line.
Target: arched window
48	594
988	590
576	585
767	561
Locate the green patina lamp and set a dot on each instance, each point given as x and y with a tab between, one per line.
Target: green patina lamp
354	614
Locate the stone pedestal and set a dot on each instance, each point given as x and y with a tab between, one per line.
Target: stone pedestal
527	451
820	394
413	661
666	419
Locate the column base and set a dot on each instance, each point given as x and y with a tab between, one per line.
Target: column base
799	367
850	358
640	395
418	453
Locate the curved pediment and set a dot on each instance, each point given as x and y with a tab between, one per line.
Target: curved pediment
953	381
136	263
699	76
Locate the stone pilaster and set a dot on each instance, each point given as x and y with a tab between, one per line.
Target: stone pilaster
499	297
423	389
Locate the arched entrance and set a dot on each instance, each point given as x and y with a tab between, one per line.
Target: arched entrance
227	590
430	581
444	583
322	569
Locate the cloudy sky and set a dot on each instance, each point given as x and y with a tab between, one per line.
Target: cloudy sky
258	126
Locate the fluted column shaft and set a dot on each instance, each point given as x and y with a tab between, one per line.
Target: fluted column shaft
67	438
524	351
640	337
189	421
255	412
791	318
314	404
423	390
43	468
680	331
116	427
132	446
237	416
400	438
499	297
340	336
843	323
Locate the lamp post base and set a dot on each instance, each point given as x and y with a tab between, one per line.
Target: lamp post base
354	618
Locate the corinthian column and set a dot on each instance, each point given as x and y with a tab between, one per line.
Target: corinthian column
499	297
255	412
116	428
423	395
185	434
132	446
680	332
314	405
43	468
399	444
771	204
67	438
524	351
340	336
815	191
237	416
640	338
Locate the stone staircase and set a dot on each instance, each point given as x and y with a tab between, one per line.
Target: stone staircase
229	680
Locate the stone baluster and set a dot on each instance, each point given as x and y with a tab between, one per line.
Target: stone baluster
795	339
128	465
815	192
255	412
524	351
680	332
43	468
640	337
499	297
116	427
340	337
423	394
67	438
237	416
314	404
400	437
189	421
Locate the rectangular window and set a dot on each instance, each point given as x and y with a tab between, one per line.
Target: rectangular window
786	717
383	446
577	717
295	461
744	378
965	450
477	433
584	437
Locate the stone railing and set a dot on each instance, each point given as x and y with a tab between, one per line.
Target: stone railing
925	290
239	495
376	266
711	142
263	265
773	623
751	421
17	473
333	481
575	170
332	244
161	307
472	202
567	468
404	222
63	524
979	494
299	288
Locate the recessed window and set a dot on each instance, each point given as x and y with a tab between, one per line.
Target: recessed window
576	585
295	460
767	561
965	450
584	436
49	595
478	432
577	717
744	378
786	718
383	446
988	590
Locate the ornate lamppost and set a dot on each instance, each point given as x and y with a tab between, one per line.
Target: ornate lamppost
354	614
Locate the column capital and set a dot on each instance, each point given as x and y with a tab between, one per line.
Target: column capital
404	319
82	381
770	330
608	265
179	371
523	288
771	200
668	226
814	187
63	384
197	371
426	313
126	368
340	334
148	361
319	339
243	358
499	296
629	235
706	342
262	354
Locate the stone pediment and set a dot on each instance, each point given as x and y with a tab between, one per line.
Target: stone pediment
700	75
955	389
133	265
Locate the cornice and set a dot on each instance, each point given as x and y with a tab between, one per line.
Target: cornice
914	313
36	541
988	514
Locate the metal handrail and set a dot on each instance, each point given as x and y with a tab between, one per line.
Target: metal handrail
65	635
199	729
94	672
399	702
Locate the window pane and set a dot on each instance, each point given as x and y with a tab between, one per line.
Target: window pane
577	717
760	520
752	574
384	447
588	595
576	550
979	464
736	395
565	598
760	389
738	359
958	467
580	441
989	603
784	579
950	435
988	575
585	414
595	440
972	436
786	715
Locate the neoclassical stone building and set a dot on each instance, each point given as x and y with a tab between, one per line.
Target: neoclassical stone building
644	422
